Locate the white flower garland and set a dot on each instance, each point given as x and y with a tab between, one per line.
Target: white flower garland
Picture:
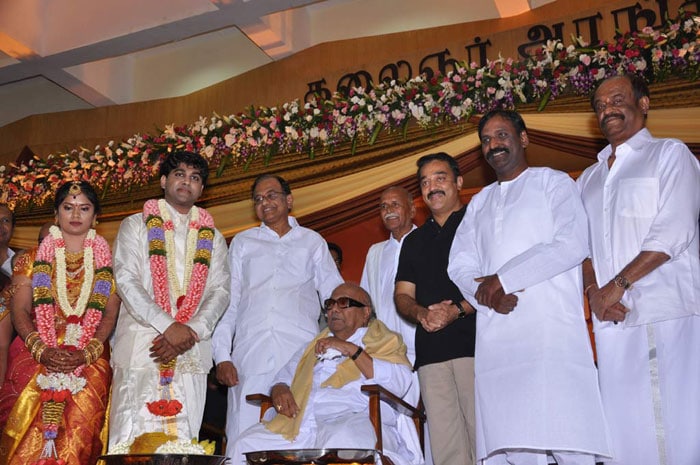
180	446
191	247
61	287
60	381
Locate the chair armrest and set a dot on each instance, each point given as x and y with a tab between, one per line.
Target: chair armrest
395	401
264	400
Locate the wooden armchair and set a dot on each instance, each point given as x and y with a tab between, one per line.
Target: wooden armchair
376	394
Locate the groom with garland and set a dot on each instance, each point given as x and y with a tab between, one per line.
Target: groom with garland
170	304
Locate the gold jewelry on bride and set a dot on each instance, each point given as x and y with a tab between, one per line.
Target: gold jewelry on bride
75	189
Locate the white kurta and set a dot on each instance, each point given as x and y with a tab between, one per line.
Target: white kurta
536	384
378	280
335	417
136	376
649	200
277	284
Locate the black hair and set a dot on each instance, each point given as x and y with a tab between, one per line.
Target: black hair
12	212
87	190
284	184
438	156
336	248
639	87
195	160
512	116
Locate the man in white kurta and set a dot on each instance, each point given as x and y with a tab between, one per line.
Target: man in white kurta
142	321
396	210
336	416
643	281
279	271
524	238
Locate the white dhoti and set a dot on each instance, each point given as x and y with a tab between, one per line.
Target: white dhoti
650	385
349	431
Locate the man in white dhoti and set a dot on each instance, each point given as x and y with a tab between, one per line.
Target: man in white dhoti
279	271
317	394
517	258
643	281
396	211
171	273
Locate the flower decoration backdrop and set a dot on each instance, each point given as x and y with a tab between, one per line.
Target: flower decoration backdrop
318	127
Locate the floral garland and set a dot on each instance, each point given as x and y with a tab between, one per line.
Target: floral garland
362	114
81	321
161	251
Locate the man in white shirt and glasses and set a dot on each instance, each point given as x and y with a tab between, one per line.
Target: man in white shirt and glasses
278	271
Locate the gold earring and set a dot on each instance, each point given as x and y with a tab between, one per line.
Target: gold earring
55	220
95	223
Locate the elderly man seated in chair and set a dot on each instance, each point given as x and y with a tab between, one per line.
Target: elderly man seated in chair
317	395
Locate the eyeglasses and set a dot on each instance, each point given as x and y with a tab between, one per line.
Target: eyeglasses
270	196
342	303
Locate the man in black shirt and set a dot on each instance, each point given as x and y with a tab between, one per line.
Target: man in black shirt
446	323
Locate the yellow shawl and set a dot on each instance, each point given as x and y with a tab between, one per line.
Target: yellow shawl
379	342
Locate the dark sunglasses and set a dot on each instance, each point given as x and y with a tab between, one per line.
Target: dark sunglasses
342	303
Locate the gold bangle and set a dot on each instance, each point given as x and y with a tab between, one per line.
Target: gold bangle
35	345
37	351
88	357
585	291
31	338
92	351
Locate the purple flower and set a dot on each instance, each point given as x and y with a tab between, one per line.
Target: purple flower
156	234
41	280
103	287
204	244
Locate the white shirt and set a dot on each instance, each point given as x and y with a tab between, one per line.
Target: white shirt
330	402
140	314
7	264
140	320
534	366
378	279
276	284
649	200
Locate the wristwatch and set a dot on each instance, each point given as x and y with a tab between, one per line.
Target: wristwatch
461	313
621	281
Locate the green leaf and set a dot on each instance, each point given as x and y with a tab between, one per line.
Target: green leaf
106	188
222	165
545	99
404	129
375	134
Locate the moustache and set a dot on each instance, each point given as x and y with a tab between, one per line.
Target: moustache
612	115
492	153
432	193
390	216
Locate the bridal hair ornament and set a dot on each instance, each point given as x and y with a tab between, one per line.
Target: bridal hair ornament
75	189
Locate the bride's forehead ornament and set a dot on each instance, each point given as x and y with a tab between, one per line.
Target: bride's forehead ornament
75	189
